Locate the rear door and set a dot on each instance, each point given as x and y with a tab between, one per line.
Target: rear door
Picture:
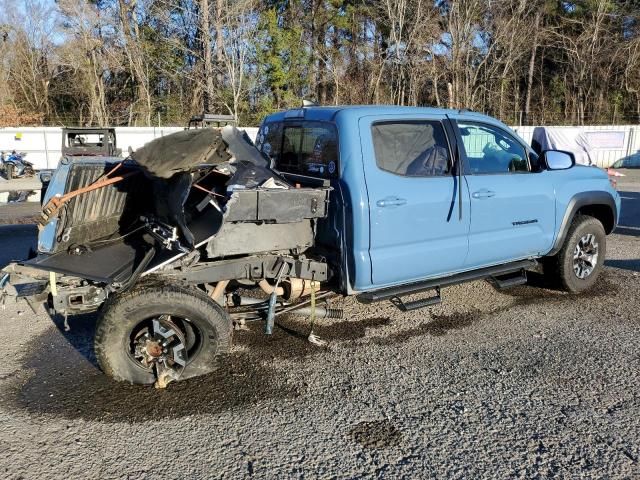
415	228
512	207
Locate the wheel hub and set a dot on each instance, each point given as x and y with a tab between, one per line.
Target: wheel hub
153	349
161	346
585	256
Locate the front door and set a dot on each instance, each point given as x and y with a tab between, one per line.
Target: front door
415	228
512	208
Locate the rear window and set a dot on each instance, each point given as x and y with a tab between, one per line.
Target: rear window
304	148
85	139
411	148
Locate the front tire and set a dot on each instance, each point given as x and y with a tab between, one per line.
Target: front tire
580	261
9	171
202	333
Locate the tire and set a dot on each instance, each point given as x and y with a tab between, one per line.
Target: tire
9	171
202	321
563	266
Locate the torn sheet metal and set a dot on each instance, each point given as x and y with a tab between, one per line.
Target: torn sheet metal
249	175
241	148
248	238
182	151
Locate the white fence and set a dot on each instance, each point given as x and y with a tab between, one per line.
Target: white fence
42	144
610	143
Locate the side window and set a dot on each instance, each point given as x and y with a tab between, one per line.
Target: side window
492	150
308	148
412	149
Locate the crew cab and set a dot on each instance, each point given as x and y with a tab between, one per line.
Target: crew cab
372	201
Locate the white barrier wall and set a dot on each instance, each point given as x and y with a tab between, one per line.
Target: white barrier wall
609	142
42	144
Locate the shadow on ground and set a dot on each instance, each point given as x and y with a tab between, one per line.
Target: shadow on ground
630	264
61	376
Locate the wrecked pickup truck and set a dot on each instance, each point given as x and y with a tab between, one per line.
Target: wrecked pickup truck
378	202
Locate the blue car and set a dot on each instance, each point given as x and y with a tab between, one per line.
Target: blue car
372	201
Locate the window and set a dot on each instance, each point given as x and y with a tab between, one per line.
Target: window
307	148
413	149
492	150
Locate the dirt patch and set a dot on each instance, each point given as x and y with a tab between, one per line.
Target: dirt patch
537	291
61	376
377	434
439	325
351	330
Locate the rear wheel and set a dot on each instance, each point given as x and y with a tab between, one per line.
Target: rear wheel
579	263
158	334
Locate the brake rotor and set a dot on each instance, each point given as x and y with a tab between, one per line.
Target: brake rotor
162	347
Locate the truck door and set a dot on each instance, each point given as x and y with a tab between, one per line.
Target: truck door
415	228
512	207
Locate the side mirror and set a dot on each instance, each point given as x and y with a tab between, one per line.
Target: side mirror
558	159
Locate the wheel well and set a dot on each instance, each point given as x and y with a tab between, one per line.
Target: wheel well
600	212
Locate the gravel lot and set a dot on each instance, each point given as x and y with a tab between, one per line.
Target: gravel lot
526	382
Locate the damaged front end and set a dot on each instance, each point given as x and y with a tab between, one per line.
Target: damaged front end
199	207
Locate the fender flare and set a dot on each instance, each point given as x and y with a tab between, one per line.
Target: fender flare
578	201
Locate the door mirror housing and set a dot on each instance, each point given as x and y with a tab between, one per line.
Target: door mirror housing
558	159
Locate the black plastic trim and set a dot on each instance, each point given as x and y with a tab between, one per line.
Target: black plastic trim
583	199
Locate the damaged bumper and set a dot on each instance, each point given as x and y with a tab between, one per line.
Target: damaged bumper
18	282
183	202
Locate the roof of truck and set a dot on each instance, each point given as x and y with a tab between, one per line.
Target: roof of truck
330	113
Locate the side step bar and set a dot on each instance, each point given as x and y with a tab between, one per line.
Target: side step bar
510	280
413	288
416	304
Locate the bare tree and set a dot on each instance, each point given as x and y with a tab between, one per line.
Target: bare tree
87	57
591	56
29	65
235	39
205	38
133	47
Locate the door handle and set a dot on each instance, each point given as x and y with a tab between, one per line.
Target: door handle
391	202
484	193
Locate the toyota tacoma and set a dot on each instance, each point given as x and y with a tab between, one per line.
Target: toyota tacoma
383	203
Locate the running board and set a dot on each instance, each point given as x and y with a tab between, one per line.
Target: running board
416	304
419	287
510	280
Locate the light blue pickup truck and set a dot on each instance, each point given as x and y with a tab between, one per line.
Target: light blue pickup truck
384	203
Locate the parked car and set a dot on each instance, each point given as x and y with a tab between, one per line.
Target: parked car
376	202
205	120
89	141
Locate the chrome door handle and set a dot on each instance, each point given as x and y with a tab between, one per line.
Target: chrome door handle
483	194
391	202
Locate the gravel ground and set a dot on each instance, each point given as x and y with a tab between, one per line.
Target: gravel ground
526	382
